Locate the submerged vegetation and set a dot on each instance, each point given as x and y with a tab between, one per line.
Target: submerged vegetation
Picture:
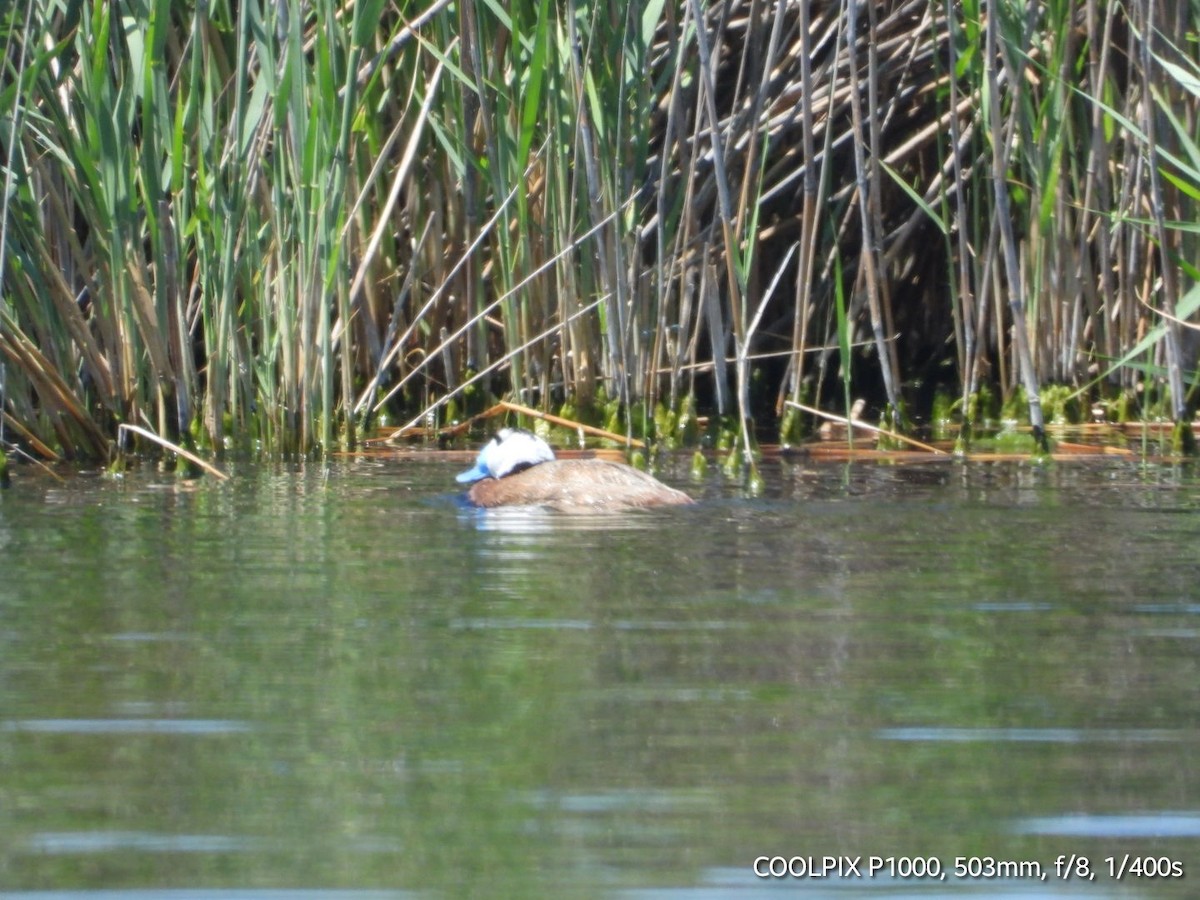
280	226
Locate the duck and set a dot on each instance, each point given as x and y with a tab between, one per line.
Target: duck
518	468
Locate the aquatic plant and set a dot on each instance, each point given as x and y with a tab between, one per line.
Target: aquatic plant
263	226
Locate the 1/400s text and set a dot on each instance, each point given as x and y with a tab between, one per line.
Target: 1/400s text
1073	867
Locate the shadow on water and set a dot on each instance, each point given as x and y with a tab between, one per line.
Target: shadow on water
345	684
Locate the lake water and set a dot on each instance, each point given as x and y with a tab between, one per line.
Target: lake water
339	684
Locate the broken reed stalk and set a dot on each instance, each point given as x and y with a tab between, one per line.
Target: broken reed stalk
603	433
875	429
174	448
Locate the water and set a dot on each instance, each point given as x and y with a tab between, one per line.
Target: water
343	685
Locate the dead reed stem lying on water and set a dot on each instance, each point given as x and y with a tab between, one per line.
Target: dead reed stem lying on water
174	448
857	423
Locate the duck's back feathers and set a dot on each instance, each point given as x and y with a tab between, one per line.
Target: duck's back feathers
577	485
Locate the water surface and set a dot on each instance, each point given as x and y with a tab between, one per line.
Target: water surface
336	682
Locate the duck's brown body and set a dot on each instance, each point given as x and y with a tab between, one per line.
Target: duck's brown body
577	485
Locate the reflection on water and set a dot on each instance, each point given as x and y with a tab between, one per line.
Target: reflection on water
536	521
202	894
109	841
1139	826
731	884
344	684
125	726
1036	735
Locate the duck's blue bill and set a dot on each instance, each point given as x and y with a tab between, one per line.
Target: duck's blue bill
477	472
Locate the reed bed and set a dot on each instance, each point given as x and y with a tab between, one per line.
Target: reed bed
275	227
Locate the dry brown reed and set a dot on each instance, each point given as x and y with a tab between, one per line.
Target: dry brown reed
249	226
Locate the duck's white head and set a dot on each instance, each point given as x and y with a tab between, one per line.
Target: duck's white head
511	450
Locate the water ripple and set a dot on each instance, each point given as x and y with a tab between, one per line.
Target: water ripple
1033	735
143	842
1127	825
209	894
126	726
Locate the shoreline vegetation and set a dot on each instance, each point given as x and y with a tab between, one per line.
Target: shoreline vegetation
287	229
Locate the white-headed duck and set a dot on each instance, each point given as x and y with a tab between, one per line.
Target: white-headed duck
518	468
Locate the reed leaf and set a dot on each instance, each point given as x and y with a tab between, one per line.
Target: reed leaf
249	224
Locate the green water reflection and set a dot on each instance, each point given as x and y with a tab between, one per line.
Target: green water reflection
344	680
